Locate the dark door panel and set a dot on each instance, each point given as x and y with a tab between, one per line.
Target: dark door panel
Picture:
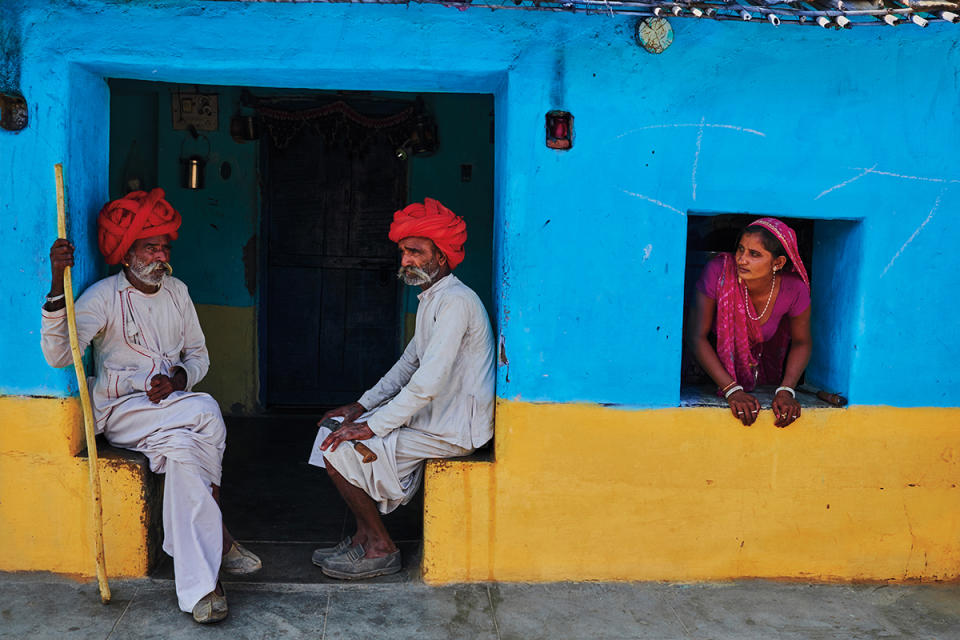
332	313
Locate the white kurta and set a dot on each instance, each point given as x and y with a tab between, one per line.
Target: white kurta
437	401
136	336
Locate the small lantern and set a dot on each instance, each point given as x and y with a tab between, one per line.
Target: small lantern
422	140
559	130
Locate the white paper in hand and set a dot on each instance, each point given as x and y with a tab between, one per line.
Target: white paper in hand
316	454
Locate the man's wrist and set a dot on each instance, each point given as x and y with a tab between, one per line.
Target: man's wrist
56	305
179	378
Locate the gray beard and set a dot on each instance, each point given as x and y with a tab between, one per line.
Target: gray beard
415	276
148	273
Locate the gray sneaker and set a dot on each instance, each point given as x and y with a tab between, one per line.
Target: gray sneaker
321	554
351	565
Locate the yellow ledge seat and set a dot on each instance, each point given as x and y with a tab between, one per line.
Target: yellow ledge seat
583	492
45	496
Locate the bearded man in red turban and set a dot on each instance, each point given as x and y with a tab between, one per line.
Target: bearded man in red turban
435	402
150	351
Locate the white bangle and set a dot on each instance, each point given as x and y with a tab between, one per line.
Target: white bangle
779	389
55	298
732	391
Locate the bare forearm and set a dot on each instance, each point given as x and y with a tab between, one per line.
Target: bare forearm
56	291
797	359
706	356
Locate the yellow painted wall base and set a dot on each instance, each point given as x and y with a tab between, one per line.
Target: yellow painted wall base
45	516
581	493
589	493
231	334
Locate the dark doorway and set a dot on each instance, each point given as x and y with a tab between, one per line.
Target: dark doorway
286	254
332	301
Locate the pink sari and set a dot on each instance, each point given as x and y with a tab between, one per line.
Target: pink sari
739	340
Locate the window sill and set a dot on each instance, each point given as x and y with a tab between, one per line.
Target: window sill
706	396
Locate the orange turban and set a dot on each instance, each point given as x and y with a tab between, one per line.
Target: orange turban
432	220
136	215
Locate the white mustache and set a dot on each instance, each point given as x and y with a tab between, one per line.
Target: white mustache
414	276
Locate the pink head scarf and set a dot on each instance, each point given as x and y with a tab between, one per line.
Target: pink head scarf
738	337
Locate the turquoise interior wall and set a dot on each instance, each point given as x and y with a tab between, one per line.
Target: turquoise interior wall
220	219
463	122
799	122
133	136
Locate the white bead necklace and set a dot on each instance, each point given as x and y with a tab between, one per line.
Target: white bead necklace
769	298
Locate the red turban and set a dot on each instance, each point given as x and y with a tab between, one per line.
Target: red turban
432	220
136	215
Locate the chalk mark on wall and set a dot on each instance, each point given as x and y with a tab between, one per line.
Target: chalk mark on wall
916	232
696	158
905	177
699	125
846	182
656	202
646	252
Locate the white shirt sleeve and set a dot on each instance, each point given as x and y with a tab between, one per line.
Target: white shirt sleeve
391	383
194	358
54	334
452	320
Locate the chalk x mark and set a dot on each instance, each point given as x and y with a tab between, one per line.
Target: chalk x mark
656	202
696	158
843	184
916	232
699	125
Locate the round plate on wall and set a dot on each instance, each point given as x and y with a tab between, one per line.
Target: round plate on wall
654	34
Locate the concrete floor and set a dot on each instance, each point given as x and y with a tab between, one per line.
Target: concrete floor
44	606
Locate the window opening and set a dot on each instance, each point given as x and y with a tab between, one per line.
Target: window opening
830	250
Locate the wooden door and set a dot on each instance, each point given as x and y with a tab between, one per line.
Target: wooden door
332	296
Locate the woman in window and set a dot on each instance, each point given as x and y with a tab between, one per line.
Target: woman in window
757	302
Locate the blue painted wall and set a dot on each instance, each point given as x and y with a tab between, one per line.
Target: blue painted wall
799	122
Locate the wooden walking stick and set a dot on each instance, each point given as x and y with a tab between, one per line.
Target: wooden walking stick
84	399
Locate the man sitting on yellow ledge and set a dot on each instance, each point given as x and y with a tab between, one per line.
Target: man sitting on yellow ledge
149	352
435	402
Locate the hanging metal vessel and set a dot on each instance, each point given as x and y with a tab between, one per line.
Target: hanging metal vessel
193	172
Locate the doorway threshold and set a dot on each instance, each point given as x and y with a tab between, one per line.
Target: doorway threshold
282	508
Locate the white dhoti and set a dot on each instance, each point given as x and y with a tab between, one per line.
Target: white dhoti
394	477
184	438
